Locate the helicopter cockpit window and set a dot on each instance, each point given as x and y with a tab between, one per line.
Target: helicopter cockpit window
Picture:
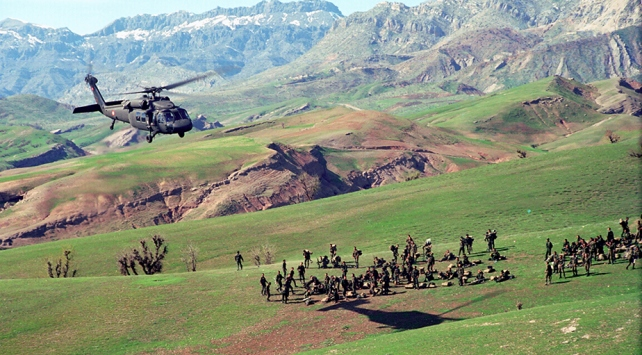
169	117
182	114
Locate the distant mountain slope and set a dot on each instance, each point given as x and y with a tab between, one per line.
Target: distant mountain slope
240	41
22	147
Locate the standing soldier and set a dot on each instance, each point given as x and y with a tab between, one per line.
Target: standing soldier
625	227
462	246
549	274
430	263
633	255
239	261
301	270
355	255
267	291
560	265
279	281
586	258
306	258
291	276
611	245
415	278
609	234
469	243
344	269
333	250
395	251
285	268
460	273
573	263
263	282
549	248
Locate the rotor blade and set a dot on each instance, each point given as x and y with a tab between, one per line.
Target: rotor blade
135	92
184	82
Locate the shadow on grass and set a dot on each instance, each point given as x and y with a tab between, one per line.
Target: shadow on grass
403	320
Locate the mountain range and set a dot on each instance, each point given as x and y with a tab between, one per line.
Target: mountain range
486	44
240	41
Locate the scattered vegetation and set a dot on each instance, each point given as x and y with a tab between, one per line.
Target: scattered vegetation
150	260
62	268
265	252
190	257
612	136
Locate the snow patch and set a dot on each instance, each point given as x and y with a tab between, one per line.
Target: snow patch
296	23
138	35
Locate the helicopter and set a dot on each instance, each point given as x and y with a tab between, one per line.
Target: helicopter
151	112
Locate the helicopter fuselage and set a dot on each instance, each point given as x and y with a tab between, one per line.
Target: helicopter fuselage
154	114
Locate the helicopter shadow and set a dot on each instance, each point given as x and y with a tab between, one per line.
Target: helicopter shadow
402	320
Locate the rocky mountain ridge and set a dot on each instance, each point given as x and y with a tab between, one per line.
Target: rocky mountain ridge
240	41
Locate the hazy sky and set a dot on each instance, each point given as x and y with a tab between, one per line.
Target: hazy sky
87	16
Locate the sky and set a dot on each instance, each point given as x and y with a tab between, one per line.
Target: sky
88	16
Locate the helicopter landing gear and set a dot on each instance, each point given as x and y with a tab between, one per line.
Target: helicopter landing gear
150	137
112	124
181	134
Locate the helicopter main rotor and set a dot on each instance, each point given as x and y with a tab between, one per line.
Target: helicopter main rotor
155	90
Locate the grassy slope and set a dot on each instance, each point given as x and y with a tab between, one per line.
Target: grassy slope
571	192
606	325
18	143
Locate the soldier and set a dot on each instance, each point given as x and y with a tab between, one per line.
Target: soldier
344	285
333	250
306	258
326	281
609	234
427	248
549	248
430	263
279	281
267	290
263	283
460	274
291	277
386	283
395	251
462	246
285	294
469	243
355	255
586	258
573	263
415	278
625	227
549	274
285	268
633	255
611	245
301	270
239	261
560	265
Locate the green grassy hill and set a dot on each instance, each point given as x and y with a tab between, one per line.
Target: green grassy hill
218	309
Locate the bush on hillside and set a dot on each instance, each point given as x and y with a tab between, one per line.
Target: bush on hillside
150	260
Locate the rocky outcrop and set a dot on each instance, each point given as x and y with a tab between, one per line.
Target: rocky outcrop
288	176
55	153
408	166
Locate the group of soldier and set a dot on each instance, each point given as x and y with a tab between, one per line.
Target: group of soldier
377	279
585	252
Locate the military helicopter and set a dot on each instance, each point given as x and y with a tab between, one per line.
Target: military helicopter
150	112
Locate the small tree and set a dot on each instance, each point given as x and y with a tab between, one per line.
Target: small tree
255	253
268	251
612	136
63	266
190	254
521	153
150	260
